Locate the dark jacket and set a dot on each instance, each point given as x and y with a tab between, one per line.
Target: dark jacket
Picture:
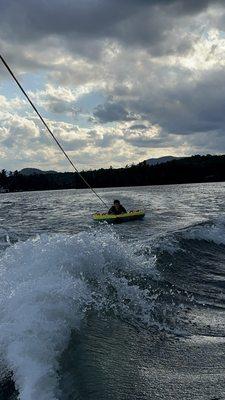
113	210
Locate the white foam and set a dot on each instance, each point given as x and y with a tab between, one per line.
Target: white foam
46	286
211	232
169	244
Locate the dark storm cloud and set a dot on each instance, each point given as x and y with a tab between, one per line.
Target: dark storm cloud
145	23
32	31
111	112
187	107
190	106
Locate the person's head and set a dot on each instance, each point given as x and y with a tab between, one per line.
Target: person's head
116	203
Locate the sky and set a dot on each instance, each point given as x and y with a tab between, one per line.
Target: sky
118	82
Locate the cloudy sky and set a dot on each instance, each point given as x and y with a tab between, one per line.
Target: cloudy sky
117	81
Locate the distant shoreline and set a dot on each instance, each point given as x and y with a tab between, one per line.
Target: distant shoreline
189	170
110	187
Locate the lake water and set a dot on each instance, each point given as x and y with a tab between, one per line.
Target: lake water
95	312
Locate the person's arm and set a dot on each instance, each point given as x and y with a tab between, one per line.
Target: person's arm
111	210
123	210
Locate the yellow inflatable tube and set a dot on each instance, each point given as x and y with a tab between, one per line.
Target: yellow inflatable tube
112	218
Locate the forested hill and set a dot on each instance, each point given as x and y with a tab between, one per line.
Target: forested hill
186	170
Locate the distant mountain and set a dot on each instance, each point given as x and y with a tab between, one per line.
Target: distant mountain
35	171
161	160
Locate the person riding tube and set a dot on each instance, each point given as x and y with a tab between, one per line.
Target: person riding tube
117	208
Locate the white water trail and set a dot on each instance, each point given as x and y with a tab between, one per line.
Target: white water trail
46	286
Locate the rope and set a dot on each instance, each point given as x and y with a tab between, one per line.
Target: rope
51	133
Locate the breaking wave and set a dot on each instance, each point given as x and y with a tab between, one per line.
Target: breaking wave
48	285
210	231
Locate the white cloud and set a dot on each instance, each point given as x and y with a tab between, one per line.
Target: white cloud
18	127
12	104
59	100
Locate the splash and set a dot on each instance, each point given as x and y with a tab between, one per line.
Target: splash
47	285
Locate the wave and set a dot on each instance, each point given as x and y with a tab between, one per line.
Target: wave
48	285
210	231
192	259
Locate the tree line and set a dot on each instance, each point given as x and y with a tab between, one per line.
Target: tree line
186	170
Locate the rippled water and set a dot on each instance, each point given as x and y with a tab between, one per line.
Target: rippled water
131	311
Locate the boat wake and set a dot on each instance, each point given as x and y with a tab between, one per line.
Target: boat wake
48	286
51	284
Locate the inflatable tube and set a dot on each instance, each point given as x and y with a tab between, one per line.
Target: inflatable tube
112	218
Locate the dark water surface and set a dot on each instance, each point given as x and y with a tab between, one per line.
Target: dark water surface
96	312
